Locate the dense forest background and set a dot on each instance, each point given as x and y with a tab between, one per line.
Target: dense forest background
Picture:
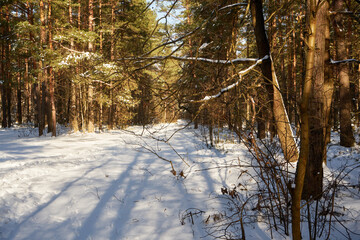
286	70
95	63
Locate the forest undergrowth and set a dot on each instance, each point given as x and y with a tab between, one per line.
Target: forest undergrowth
263	190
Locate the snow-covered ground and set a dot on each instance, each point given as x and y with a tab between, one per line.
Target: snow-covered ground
105	186
119	185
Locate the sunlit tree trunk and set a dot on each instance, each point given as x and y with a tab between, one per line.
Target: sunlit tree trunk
42	74
18	84
52	110
100	84
90	103
328	88
292	61
27	92
28	85
80	87
112	58
73	115
305	127
319	108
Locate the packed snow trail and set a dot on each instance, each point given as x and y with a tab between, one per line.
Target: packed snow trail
119	185
104	186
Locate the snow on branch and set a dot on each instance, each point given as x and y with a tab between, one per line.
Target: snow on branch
344	61
77	56
241	74
66	48
233	61
102	82
208	60
233	5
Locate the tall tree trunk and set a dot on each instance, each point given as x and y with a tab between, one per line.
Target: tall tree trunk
3	107
3	76
292	75
282	80
42	73
283	127
265	92
44	100
318	115
52	120
18	84
79	86
28	92
73	119
28	102
100	27
112	58
346	132
8	70
90	117
100	84
19	97
73	113
328	88
305	126
234	119
49	75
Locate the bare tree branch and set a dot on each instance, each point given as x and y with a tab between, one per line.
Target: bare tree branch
157	22
191	32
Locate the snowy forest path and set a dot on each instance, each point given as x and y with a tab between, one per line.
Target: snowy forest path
105	186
